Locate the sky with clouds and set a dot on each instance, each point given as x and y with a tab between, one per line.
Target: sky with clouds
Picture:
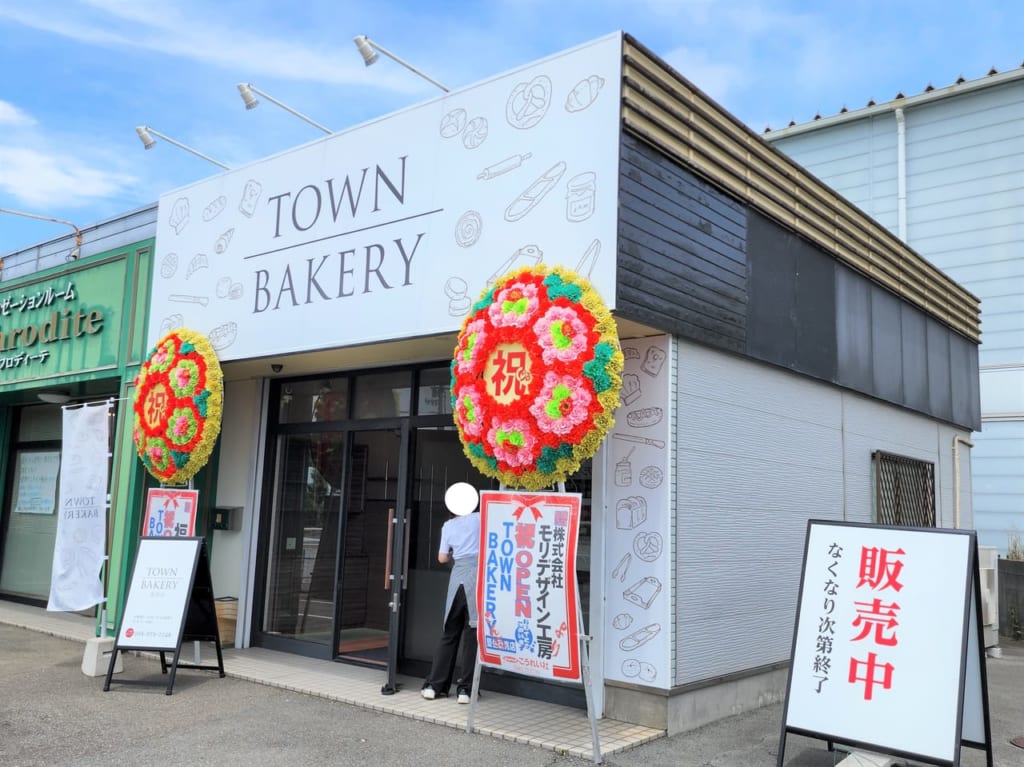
77	76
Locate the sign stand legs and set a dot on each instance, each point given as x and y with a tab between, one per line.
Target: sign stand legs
175	664
473	694
595	738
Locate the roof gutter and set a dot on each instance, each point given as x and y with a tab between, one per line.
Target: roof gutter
936	94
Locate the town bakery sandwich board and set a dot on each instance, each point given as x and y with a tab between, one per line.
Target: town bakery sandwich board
888	651
170	601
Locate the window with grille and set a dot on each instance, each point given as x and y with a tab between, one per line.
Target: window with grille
904	490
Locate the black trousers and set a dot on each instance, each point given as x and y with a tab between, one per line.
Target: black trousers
456	646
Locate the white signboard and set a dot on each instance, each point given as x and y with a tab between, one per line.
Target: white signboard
638	576
526	584
158	593
392	229
36	490
881	631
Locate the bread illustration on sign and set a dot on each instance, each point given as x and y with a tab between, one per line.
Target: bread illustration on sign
168	265
223	336
215	208
224	240
453	123
223	287
630	512
534	193
640	637
645	416
198	261
179	215
630	388
653	360
250	196
584	93
651	477
171	322
647	546
528	102
468	229
475	133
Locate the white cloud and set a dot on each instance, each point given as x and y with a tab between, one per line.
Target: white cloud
44	180
10	115
195	33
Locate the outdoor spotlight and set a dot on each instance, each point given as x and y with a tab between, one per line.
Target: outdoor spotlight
251	102
365	49
147	141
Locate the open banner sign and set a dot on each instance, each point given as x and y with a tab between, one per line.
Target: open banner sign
886	629
526	584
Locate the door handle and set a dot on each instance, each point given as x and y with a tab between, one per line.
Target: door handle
391	540
405	563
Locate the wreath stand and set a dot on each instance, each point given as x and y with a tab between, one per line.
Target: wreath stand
584	640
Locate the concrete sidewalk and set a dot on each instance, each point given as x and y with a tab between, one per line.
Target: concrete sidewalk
52	714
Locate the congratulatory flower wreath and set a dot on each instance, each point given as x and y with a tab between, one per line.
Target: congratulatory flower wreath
536	377
179	400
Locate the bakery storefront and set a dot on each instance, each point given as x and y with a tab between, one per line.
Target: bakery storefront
333	280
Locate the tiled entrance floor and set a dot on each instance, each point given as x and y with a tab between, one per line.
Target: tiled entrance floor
558	728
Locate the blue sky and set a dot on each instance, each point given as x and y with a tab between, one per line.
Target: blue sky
77	76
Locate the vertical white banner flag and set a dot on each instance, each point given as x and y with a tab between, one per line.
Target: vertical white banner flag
78	552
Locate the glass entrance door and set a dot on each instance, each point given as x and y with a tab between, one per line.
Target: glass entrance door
303	550
372	560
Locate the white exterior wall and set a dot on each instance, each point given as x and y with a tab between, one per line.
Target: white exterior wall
237	485
965	213
759	452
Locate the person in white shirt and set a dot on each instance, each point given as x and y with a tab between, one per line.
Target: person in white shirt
460	545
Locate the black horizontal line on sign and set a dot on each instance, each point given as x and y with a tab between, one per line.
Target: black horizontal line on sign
344	234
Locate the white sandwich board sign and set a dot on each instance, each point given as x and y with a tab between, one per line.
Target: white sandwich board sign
887	649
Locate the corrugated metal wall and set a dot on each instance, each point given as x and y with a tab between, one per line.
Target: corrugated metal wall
760	451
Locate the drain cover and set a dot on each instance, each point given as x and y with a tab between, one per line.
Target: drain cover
1018	741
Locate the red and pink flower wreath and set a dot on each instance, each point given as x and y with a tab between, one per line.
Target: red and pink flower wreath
178	404
536	377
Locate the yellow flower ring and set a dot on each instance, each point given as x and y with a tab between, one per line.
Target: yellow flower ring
179	400
536	377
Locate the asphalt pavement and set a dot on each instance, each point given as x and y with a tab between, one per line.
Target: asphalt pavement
53	715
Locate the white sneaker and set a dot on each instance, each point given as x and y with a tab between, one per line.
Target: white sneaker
428	693
463	696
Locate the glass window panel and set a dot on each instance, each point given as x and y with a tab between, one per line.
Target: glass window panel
32	524
434	394
322	399
383	395
40	422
